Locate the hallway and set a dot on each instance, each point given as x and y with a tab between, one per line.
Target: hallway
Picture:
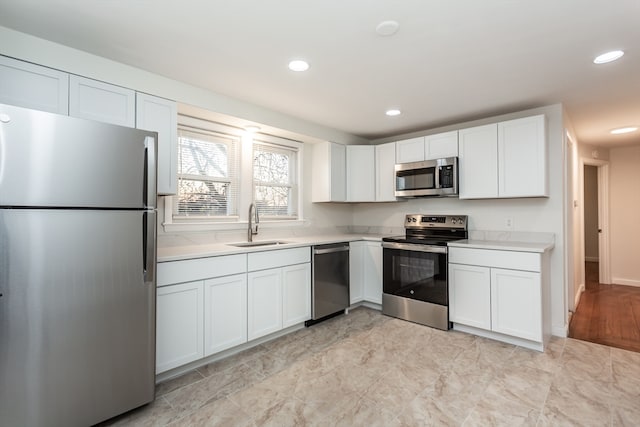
607	314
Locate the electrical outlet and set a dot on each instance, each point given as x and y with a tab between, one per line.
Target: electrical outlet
508	223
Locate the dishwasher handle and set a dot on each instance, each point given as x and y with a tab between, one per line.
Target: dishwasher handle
330	250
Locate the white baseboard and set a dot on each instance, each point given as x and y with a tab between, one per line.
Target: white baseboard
592	259
560	331
628	282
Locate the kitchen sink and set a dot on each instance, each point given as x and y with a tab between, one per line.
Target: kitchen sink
255	244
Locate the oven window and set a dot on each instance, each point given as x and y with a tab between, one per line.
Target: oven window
416	179
417	275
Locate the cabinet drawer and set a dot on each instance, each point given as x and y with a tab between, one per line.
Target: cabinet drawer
200	268
527	261
278	258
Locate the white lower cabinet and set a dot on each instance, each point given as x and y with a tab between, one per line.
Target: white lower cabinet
296	294
264	302
278	297
365	272
470	295
516	303
500	292
179	321
225	313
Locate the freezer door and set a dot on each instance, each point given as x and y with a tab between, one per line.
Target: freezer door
77	318
49	160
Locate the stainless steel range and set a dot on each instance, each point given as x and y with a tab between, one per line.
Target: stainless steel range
415	285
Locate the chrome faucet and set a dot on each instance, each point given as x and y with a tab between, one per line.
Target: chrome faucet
251	232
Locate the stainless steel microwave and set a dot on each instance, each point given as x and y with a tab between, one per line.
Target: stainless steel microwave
435	178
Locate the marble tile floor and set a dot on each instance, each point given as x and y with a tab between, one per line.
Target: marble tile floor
367	369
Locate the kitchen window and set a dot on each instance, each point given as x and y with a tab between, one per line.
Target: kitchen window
207	175
275	187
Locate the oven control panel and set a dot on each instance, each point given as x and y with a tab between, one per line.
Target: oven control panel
435	221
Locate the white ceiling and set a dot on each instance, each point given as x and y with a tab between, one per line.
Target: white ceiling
450	61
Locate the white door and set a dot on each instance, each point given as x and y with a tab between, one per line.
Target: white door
356	272
373	272
522	157
385	172
441	145
470	295
296	294
264	302
103	102
516	303
361	171
410	150
161	115
179	320
225	313
33	86
478	162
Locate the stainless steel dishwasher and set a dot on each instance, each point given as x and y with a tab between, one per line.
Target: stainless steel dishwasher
330	284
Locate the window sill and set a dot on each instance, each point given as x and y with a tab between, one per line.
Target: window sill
172	227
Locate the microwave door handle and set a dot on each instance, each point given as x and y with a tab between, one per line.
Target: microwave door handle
436	172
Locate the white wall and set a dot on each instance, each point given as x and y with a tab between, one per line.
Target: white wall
624	213
591	213
528	215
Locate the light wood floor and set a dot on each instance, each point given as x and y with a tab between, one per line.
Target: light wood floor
607	314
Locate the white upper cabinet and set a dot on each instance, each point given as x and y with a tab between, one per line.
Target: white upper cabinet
478	162
385	172
441	145
361	171
103	102
522	158
161	115
329	172
31	86
410	150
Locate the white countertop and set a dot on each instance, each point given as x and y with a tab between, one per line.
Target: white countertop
178	253
504	245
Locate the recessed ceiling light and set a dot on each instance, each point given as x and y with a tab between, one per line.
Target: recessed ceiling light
387	28
608	57
624	130
298	65
393	112
252	128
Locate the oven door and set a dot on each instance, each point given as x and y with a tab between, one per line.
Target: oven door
415	271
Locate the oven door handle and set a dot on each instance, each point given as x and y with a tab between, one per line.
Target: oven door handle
416	248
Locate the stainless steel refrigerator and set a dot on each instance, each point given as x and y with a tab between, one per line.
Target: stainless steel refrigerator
77	269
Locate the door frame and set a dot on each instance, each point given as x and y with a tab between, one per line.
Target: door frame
604	249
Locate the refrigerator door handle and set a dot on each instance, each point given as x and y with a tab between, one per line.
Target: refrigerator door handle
148	247
150	165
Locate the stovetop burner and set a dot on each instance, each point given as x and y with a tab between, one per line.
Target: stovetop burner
435	230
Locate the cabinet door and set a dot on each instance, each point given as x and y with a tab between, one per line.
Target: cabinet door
161	115
385	172
356	272
103	102
478	162
470	295
264	302
373	272
522	157
329	172
225	313
441	145
361	171
179	320
516	303
33	86
296	294
410	150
